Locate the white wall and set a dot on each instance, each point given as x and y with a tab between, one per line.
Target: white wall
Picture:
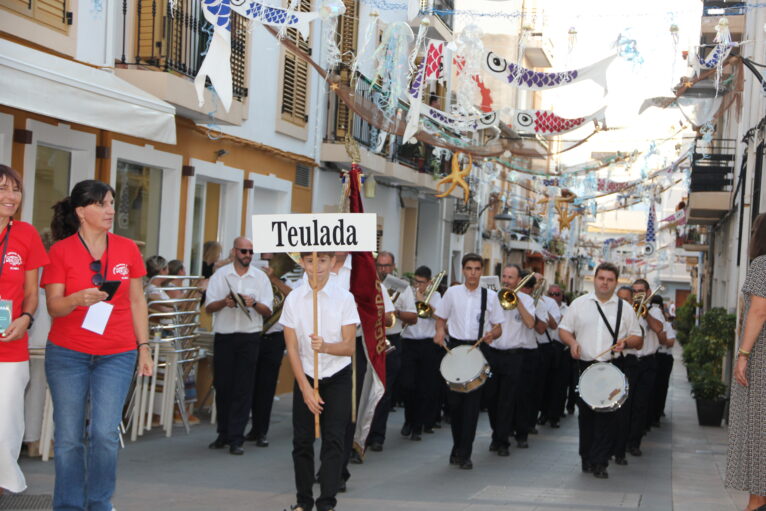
430	236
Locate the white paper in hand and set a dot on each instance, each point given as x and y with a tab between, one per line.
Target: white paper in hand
97	317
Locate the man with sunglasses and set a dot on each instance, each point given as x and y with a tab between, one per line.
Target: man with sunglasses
239	296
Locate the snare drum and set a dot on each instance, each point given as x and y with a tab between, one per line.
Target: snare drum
464	368
603	387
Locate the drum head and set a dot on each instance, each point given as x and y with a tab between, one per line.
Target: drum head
462	364
602	386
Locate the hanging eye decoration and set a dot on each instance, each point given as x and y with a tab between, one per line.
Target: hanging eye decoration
496	63
524	119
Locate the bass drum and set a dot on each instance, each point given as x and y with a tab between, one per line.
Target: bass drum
603	387
464	369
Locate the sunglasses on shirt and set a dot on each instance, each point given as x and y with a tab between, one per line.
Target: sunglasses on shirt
98	278
246	251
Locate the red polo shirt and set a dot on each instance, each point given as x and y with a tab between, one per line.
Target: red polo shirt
70	265
25	252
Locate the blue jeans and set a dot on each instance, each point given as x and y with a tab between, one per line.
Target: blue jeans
86	481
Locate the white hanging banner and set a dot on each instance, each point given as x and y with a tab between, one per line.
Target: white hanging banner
321	232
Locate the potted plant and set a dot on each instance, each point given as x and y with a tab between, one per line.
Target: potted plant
704	353
685	319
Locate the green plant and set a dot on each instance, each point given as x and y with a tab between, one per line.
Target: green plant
685	319
704	352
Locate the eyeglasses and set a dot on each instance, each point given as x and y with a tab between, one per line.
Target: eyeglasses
554	294
97	279
384	265
244	251
421	281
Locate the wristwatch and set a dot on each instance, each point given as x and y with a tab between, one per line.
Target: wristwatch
31	318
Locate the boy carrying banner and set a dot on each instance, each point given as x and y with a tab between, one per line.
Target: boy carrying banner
335	342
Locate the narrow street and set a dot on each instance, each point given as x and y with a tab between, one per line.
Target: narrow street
681	470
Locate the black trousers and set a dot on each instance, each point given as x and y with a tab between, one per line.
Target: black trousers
598	431
270	357
234	362
503	391
544	387
334	391
646	373
526	415
662	383
348	442
419	381
628	365
380	419
561	369
464	416
574	379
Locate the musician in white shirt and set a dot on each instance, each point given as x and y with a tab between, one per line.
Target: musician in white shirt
597	326
337	318
419	376
507	405
664	370
474	315
551	404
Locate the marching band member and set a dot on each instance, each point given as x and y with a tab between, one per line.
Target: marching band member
335	343
406	315
551	351
646	371
664	367
628	364
504	390
594	323
420	376
474	313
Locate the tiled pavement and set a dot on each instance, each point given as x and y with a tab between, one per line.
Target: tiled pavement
681	470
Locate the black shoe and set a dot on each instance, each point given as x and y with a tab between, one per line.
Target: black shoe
251	437
415	437
493	446
522	444
437	425
237	450
466	464
429	431
406	430
635	451
447	419
261	442
541	421
355	458
570	411
533	431
454	460
342	487
599	472
656	424
297	507
620	461
218	443
587	468
376	446
503	451
555	424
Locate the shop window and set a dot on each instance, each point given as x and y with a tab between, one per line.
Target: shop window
52	174
137	205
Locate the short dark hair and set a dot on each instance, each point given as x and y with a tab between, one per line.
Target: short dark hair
626	288
513	265
471	257
607	267
154	265
10	174
175	266
758	237
658	300
423	271
532	282
306	254
642	282
388	254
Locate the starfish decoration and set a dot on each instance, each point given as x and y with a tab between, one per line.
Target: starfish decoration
561	205
457	177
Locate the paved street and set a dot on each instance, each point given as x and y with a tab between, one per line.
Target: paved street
682	469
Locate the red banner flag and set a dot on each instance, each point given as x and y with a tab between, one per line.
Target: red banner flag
366	289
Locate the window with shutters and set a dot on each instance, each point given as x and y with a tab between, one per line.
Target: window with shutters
348	27
51	13
295	77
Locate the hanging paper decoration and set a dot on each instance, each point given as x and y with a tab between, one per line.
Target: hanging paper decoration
217	62
677	218
545	122
392	66
467	49
330	12
571	40
674	35
457	178
523	78
526	31
651	237
463	123
628	49
427	70
606	185
719	54
363	54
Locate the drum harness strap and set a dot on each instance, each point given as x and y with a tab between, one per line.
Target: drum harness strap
483	311
614	333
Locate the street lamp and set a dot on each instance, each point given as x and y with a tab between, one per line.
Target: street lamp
503	220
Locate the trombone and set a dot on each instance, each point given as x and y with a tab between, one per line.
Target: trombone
538	291
508	298
425	311
642	308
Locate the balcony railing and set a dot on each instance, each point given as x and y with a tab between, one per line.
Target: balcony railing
723	8
713	166
174	37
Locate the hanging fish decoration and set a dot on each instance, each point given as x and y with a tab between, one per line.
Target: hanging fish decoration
545	122
392	66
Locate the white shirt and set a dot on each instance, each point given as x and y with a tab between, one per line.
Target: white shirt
670	334
651	341
547	307
563	308
405	303
335	308
253	283
515	332
555	311
585	323
462	310
425	328
278	326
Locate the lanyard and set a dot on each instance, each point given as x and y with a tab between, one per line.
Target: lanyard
106	265
5	247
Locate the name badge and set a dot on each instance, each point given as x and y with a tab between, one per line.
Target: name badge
97	317
6	313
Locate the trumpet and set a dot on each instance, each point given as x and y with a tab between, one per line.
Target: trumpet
638	300
424	308
508	298
643	307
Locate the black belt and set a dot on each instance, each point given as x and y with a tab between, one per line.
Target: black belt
272	334
461	341
508	350
418	339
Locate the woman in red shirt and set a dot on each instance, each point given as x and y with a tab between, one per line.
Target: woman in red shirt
22	255
92	345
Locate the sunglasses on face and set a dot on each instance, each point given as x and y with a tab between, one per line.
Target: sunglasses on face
555	294
97	279
245	251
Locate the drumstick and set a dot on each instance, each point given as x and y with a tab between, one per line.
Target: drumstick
476	345
605	351
449	351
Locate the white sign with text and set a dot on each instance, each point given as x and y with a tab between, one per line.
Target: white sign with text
320	232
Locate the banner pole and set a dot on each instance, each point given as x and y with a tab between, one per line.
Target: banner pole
316	332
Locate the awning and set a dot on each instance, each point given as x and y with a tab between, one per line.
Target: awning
48	85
